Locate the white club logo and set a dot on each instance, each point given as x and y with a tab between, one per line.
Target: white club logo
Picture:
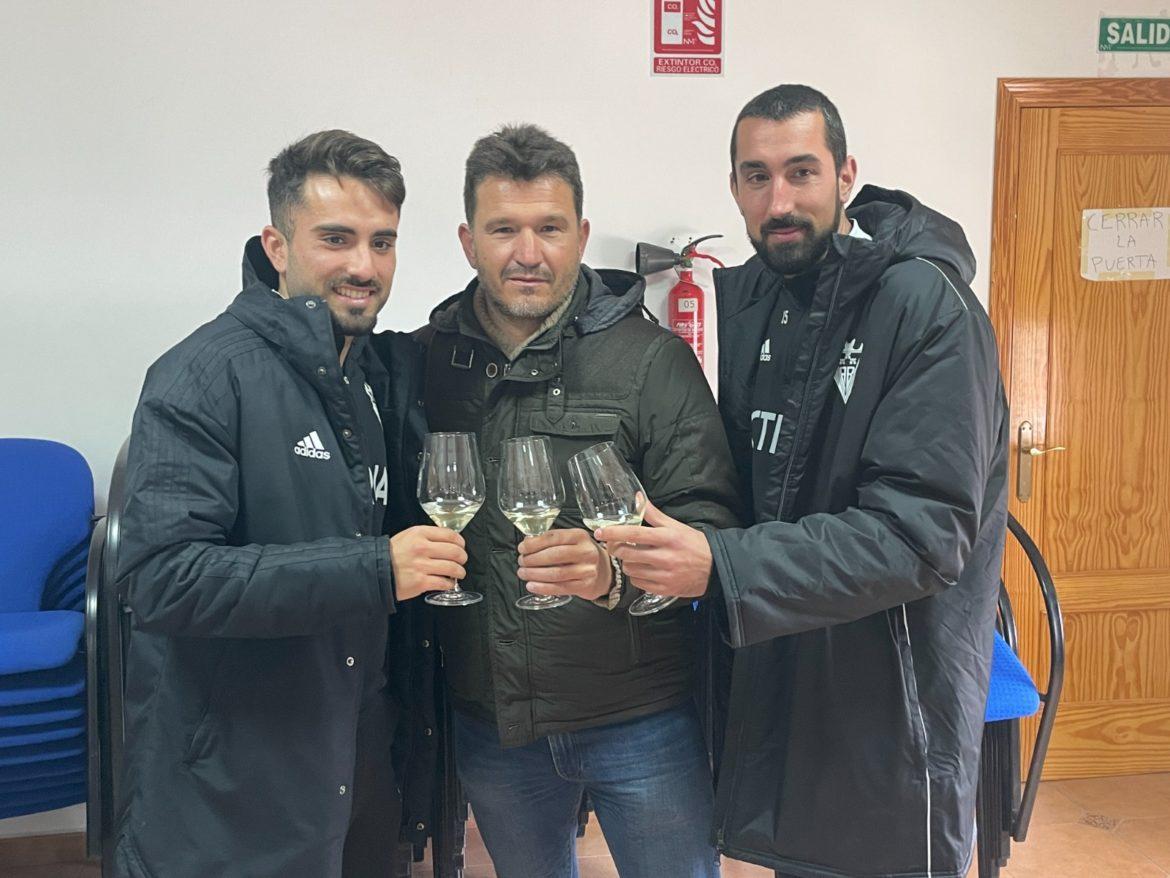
373	401
847	368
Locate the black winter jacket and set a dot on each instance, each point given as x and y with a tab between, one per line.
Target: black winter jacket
861	603
261	590
603	372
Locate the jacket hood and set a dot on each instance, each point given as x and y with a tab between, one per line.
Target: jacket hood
257	268
911	230
901	229
606	296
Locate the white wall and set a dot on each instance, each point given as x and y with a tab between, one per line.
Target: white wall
134	137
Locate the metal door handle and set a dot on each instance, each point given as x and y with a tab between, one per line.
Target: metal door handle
1036	450
1028	452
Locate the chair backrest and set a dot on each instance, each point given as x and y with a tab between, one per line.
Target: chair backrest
1049	695
46	505
107	637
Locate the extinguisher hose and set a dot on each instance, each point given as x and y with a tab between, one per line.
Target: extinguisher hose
695	254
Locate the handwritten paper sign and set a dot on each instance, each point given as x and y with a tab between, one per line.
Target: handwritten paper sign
1125	243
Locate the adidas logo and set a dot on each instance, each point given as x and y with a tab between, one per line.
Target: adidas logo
766	351
311	446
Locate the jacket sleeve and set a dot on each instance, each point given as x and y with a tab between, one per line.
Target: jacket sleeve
687	468
922	475
175	564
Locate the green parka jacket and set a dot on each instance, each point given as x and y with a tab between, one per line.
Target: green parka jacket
602	372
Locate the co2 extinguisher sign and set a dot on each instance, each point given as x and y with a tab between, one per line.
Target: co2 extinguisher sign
688	36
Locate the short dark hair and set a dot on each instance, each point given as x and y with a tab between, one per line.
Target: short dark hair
336	153
780	103
520	152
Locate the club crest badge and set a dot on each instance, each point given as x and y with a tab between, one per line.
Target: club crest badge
847	368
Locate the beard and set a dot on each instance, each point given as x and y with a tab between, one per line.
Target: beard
347	319
790	258
530	306
351	321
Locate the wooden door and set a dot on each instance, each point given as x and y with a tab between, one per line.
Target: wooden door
1087	364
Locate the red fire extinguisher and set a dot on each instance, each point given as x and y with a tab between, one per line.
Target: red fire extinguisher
684	302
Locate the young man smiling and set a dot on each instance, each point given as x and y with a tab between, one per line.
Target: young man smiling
259	714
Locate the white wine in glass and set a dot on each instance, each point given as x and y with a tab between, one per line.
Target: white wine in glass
610	494
614	520
531	496
532	522
454	515
451	491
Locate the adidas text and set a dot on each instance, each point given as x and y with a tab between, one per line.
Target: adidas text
315	453
311	447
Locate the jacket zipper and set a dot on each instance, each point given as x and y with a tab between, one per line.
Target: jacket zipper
801	419
925	741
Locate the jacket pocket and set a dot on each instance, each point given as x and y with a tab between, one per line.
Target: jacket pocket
200	741
574	431
200	738
899	628
577	424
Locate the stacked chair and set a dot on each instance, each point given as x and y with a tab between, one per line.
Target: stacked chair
1003	807
46	496
107	632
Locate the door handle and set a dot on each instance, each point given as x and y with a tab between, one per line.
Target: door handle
1028	452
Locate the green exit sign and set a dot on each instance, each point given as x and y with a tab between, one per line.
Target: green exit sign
1134	35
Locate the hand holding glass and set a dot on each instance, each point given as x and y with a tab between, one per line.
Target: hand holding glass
610	494
451	490
531	495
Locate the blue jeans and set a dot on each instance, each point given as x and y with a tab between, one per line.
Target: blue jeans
648	780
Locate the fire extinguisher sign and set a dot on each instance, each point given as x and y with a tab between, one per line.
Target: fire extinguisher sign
688	37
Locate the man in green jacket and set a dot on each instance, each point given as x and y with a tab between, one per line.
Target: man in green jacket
583	698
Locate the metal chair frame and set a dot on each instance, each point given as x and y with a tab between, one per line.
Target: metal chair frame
1003	809
107	629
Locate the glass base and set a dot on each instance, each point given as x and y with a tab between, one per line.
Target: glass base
542	602
650	603
458	598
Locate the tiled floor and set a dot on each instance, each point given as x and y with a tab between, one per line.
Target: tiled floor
1116	827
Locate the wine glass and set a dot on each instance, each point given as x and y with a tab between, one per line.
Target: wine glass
531	496
451	490
610	494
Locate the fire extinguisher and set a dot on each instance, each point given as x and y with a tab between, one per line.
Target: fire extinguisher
685	311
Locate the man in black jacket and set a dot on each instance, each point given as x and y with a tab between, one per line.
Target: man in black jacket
583	697
860	389
258	487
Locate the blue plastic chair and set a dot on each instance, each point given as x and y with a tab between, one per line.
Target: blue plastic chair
1003	809
46	497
